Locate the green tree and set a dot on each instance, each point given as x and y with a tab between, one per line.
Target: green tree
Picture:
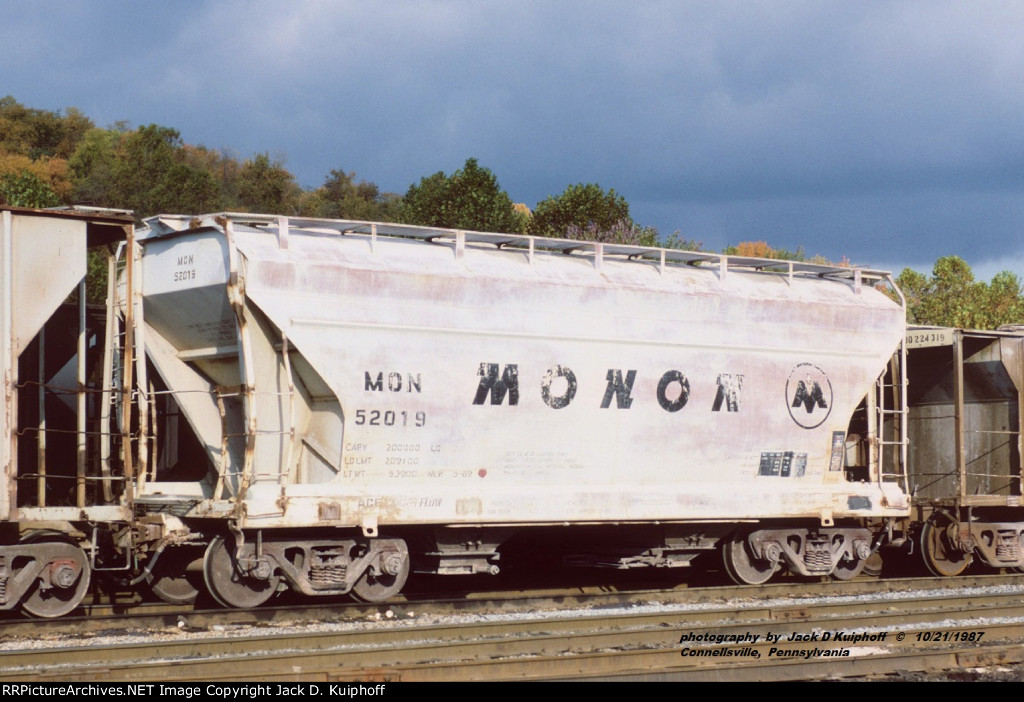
631	234
25	189
40	133
341	197
39	142
675	240
954	298
150	174
185	188
91	167
73	128
143	158
266	186
915	288
1005	304
621	232
581	207
15	127
225	168
951	297
428	202
468	199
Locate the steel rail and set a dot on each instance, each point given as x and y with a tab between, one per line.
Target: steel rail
543	648
133	613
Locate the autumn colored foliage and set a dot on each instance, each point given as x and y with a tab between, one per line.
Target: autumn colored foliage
49	158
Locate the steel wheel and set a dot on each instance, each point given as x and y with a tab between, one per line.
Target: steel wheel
228	584
171	580
940	556
848	570
742	565
873	565
69	576
378	585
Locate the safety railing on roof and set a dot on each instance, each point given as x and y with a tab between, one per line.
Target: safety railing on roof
284	227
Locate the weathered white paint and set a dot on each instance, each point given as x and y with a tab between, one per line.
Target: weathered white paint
389	334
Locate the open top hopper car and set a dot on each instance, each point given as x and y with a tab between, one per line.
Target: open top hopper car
965	466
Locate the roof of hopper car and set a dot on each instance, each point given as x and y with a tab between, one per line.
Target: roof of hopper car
103	225
167	225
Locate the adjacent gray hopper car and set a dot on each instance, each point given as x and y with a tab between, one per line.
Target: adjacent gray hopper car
332	403
965	429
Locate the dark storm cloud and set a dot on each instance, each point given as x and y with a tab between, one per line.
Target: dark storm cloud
887	132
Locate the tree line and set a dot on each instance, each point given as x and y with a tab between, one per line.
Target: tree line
50	158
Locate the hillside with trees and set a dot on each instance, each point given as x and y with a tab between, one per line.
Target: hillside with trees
50	158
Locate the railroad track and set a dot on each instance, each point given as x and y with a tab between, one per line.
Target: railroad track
557	635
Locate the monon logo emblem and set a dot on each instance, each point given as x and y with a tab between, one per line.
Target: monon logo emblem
809	395
559	384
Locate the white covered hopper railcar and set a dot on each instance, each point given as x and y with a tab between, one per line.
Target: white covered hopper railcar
362	397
